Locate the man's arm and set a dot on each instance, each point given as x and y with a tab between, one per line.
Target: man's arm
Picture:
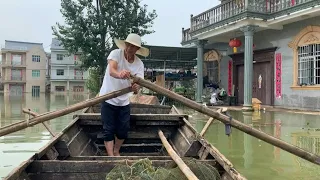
113	69
113	59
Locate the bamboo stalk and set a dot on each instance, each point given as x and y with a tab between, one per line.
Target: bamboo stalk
51	115
34	114
234	123
183	167
206	127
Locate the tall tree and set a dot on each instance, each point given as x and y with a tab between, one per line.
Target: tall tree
91	25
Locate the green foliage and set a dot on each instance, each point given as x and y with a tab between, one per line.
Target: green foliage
93	82
91	25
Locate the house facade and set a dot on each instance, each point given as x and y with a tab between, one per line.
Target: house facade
65	72
23	67
277	58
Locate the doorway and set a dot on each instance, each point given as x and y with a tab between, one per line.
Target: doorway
263	76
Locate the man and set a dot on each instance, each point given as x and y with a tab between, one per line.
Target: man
115	113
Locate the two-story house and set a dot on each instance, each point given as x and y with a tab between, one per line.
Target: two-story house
270	50
65	74
23	67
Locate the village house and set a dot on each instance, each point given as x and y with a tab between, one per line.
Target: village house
23	68
65	72
269	50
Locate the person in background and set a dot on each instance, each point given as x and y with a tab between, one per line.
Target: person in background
115	113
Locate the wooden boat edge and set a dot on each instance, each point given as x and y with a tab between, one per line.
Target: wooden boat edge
16	172
213	151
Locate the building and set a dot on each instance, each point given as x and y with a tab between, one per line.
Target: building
278	54
65	73
23	67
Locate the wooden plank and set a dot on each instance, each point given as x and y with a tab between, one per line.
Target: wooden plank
89	122
110	158
142	109
137	148
68	176
140	117
55	166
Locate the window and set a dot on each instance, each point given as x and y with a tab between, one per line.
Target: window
60	57
60	88
309	64
213	71
306	59
35	91
78	88
60	72
35	73
35	58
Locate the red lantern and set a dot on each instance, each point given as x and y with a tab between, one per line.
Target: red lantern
234	43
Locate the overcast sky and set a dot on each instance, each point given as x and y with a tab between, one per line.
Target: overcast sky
31	20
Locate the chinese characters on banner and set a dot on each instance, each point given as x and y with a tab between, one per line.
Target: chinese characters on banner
278	75
230	78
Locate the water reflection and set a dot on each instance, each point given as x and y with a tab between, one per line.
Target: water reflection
19	146
256	159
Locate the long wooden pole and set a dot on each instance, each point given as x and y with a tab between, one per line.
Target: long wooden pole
183	167
234	123
51	115
34	114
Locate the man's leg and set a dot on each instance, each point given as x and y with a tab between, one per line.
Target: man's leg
122	128
108	117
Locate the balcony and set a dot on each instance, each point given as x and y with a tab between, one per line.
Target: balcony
78	77
14	79
14	65
237	10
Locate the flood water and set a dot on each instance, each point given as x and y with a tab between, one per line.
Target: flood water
254	158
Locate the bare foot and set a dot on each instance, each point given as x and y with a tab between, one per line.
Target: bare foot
116	153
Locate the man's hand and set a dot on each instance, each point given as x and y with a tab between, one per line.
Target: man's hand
135	88
124	74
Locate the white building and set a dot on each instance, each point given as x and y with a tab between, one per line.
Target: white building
65	74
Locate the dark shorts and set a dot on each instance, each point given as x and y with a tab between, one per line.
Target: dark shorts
115	121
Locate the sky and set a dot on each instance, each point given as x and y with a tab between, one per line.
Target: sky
31	20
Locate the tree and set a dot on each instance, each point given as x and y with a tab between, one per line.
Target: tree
90	27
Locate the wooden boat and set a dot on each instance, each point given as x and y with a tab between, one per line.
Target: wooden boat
78	153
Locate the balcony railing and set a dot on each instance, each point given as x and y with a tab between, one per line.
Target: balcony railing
186	35
78	77
13	64
233	9
13	79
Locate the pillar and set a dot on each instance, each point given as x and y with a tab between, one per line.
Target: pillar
248	66
200	47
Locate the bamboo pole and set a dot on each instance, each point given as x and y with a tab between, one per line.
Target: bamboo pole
183	167
234	123
51	115
34	114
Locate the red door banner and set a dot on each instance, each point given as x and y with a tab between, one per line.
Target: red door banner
230	78
278	75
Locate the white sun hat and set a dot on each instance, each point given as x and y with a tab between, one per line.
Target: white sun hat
133	39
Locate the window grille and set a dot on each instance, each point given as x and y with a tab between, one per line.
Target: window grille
309	64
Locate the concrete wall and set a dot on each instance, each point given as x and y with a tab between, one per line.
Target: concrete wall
36	81
296	99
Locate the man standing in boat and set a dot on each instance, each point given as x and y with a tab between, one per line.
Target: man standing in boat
115	113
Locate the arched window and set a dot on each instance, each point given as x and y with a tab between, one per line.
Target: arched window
306	58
